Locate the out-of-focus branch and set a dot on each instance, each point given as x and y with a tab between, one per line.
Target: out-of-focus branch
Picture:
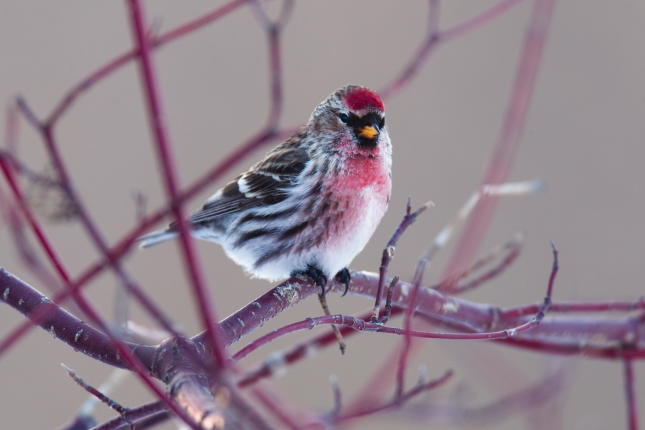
525	398
120	61
434	37
459	284
510	134
96	393
629	379
67	185
139	415
28	256
397	402
86	411
156	118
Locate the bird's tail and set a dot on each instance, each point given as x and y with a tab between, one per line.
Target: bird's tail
156	237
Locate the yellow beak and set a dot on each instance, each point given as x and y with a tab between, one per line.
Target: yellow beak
368	132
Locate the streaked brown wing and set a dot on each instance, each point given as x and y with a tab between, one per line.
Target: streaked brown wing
265	184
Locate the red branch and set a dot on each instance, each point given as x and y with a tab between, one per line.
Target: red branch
630	394
113	65
510	134
398	401
156	117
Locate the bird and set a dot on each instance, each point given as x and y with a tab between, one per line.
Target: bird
310	206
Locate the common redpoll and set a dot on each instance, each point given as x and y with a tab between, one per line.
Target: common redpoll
311	205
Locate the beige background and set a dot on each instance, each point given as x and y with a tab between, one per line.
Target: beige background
584	137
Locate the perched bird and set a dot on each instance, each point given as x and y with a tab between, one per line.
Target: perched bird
311	205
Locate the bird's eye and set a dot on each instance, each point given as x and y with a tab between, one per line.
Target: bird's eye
343	117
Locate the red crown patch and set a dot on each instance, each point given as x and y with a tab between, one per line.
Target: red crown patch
362	98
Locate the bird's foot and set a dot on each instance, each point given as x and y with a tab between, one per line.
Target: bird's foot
344	277
319	278
315	274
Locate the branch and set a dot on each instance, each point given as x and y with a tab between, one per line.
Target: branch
67	185
510	134
398	401
63	325
96	393
361	325
202	392
100	346
630	394
388	251
523	399
156	116
113	65
434	37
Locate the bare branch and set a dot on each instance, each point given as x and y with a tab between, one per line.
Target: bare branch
398	400
111	403
388	251
629	379
63	325
510	133
156	117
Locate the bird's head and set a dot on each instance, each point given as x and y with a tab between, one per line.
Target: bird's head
354	114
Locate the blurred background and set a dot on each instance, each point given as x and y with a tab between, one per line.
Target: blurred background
584	138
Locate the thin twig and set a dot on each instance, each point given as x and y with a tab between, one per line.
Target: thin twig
115	377
524	399
388	251
399	400
113	65
629	381
338	397
98	394
456	285
387	311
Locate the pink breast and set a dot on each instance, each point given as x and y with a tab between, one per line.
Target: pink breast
360	193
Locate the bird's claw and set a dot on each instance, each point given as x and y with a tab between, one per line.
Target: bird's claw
315	274
344	277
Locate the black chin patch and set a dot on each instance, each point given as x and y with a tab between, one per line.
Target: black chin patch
367	143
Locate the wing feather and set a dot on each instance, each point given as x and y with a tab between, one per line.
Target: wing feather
266	183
